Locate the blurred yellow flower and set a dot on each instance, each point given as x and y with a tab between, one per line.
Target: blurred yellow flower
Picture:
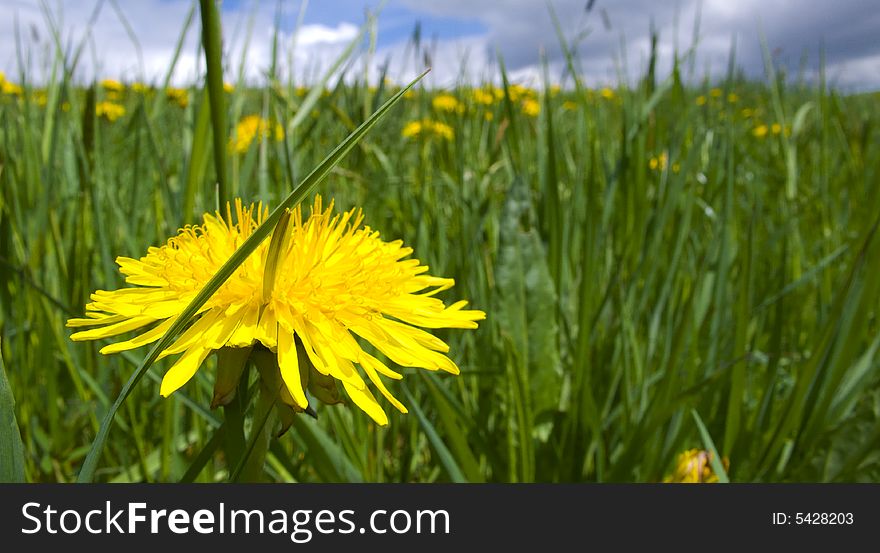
658	163
411	129
484	97
517	92
701	100
141	88
715	93
111	85
39	97
447	102
109	111
9	88
732	98
776	128
228	88
760	131
531	107
747	112
254	127
607	93
427	128
694	467
179	96
569	105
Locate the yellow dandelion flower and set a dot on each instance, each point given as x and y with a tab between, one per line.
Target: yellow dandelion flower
715	93
10	89
569	105
659	162
701	100
447	103
325	284
141	88
411	129
732	98
427	128
747	112
694	467
228	88
109	111
488	116
443	130
676	167
776	128
760	131
179	96
518	92
254	127
531	107
484	97
554	90
40	98
111	85
607	93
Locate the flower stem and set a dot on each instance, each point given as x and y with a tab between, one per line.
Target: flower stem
261	434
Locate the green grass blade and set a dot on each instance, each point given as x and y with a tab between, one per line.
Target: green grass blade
213	56
446	458
716	463
12	451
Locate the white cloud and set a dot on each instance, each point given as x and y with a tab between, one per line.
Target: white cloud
111	52
519	29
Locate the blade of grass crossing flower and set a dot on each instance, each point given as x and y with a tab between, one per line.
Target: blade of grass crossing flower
238	257
715	461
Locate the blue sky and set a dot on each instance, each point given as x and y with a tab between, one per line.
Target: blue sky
464	37
396	22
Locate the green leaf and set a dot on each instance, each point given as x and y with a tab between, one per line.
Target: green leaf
527	297
11	450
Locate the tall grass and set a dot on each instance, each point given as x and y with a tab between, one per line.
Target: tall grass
658	275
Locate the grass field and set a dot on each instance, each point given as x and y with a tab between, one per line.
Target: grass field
664	266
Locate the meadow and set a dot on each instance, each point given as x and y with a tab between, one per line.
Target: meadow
666	266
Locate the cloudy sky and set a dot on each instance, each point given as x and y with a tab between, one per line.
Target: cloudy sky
135	39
